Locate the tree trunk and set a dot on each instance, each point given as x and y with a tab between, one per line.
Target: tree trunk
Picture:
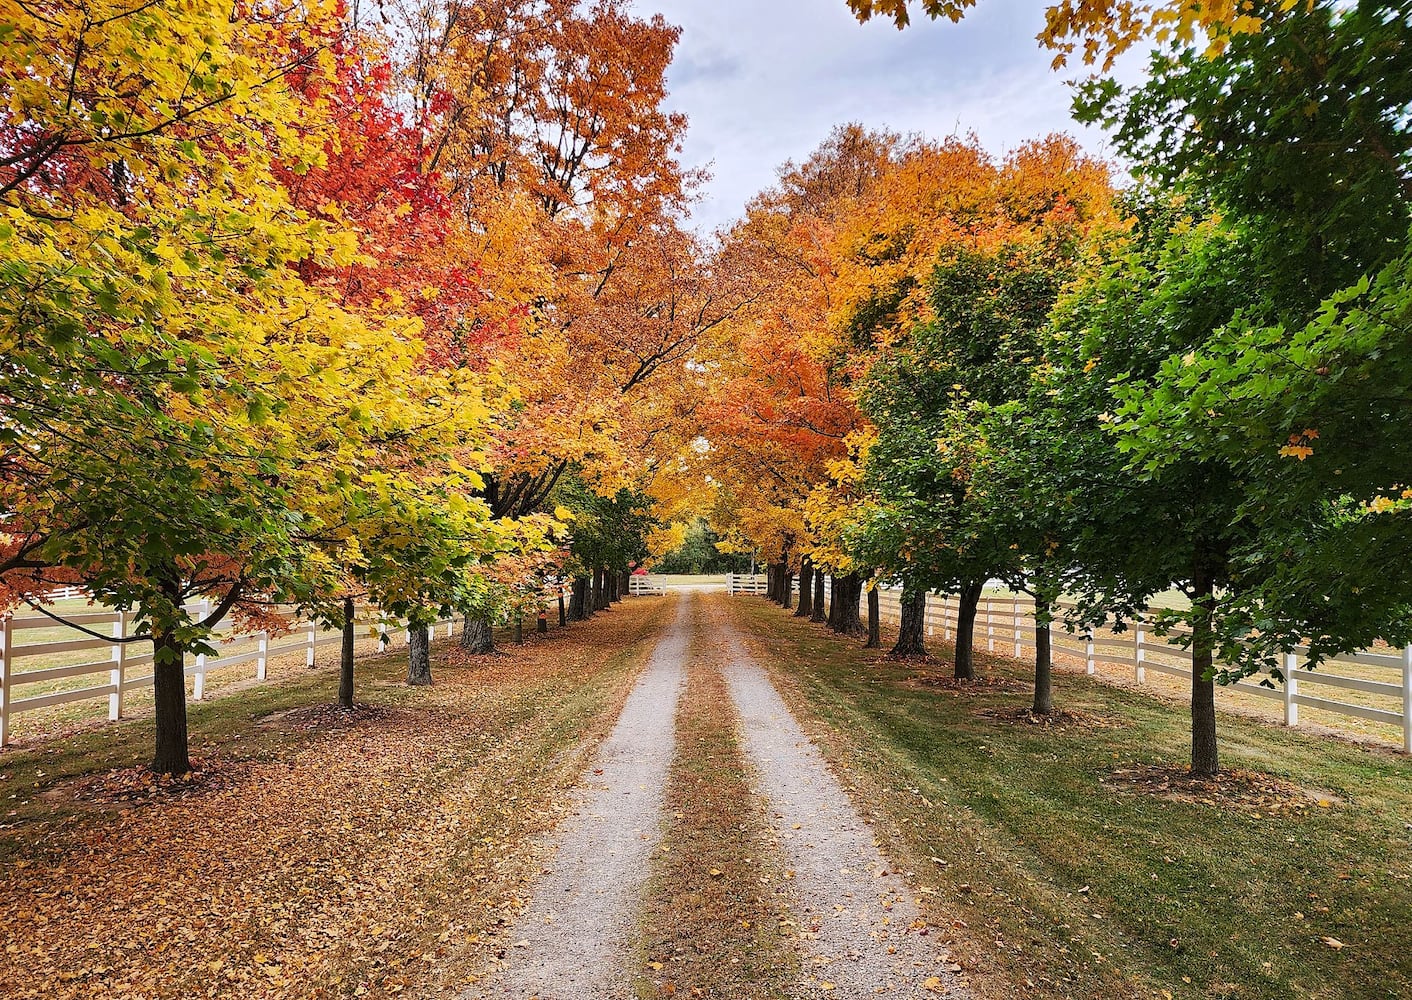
519	630
578	599
542	625
625	583
831	616
477	635
874	621
563	613
966	629
819	614
345	658
788	589
1205	758
598	603
419	656
172	754
845	611
912	632
806	589
1043	660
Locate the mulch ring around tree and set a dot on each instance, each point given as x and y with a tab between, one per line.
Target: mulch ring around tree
327	717
137	786
1246	791
1061	718
980	686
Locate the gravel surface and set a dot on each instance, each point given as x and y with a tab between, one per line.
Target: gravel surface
856	914
571	941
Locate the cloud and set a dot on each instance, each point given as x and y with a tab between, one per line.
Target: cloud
763	81
692	68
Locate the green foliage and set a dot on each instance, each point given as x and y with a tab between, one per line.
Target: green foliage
608	532
1293	382
698	554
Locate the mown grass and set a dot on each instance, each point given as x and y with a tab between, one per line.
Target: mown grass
1057	883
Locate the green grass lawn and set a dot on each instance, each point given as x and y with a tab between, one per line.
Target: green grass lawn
1050	875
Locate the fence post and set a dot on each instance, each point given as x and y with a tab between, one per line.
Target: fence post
1407	699
1140	654
262	662
1019	621
1291	690
989	628
118	675
5	637
199	688
945	621
1090	662
313	639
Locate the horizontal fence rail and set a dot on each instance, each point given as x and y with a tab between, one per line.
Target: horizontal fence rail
747	583
644	585
1382	678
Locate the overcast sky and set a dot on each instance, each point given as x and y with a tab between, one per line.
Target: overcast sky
764	81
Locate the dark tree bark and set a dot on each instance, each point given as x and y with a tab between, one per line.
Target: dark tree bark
819	614
345	657
563	612
578	599
477	636
874	621
831	616
806	589
966	629
1205	757
419	656
519	630
848	600
598	604
169	696
912	633
625	583
542	625
788	589
1043	660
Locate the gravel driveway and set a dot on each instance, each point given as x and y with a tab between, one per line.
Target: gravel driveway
859	927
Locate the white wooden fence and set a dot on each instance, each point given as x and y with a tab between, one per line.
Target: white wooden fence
124	668
748	583
1383	677
644	585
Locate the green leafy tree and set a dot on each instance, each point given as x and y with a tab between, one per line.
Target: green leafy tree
1300	135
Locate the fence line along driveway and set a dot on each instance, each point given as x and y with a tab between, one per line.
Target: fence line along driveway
1372	686
57	680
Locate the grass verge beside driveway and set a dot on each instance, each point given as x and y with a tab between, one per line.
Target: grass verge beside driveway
315	855
1058	878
